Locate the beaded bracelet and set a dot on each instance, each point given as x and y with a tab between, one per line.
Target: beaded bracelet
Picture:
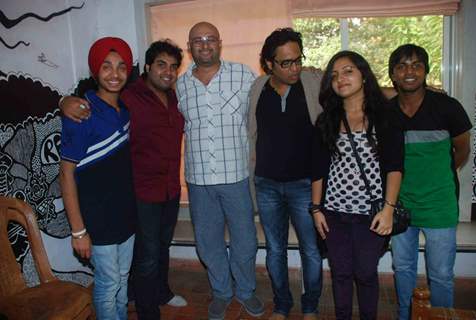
313	208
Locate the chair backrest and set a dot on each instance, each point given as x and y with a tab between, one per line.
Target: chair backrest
11	280
422	309
421	304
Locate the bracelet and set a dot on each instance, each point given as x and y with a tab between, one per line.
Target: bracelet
313	208
390	204
79	234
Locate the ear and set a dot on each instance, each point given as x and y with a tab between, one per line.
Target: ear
391	76
189	47
269	64
147	68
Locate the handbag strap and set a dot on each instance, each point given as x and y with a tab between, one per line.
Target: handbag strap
357	157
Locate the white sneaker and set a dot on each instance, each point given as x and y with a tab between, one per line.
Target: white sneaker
177	301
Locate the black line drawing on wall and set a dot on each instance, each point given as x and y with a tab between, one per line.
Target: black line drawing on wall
43	59
26	44
10	23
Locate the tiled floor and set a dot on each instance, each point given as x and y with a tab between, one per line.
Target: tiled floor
188	278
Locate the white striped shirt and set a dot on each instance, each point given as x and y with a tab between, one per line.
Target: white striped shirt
216	140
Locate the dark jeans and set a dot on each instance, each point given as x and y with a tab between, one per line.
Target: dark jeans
354	252
155	229
278	202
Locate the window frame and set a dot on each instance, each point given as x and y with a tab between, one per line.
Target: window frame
449	68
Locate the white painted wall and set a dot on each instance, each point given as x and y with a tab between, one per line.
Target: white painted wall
66	39
465	92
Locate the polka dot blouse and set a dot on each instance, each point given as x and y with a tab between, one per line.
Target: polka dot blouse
346	190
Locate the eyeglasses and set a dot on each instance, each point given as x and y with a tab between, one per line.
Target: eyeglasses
201	41
286	64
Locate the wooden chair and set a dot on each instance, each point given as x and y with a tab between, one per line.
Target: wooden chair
422	309
52	298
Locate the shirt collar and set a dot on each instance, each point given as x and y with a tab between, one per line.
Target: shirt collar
99	103
292	87
141	86
223	67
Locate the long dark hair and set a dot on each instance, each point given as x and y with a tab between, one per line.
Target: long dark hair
330	119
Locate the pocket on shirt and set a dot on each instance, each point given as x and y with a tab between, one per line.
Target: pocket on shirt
230	101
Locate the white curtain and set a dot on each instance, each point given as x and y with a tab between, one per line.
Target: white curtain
243	24
371	8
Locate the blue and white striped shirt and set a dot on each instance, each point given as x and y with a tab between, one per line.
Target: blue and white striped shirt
96	138
99	146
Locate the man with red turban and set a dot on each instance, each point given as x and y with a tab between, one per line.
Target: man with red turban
96	179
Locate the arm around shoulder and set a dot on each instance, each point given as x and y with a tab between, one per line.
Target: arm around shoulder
74	108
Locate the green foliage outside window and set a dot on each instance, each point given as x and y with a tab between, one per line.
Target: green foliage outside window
375	39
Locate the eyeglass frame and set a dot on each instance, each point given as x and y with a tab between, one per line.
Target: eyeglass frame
298	62
200	41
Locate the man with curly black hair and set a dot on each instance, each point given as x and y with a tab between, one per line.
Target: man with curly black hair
283	108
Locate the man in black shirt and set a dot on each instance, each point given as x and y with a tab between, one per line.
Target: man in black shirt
437	143
283	108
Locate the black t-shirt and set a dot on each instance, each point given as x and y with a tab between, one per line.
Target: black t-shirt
438	111
283	147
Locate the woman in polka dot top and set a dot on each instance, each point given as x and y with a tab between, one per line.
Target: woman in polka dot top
340	200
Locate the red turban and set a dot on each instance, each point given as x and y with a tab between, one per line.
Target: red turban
101	48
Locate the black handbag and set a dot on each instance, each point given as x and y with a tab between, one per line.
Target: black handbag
401	215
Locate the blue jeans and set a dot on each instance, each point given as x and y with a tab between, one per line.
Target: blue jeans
155	229
111	269
440	254
277	202
212	207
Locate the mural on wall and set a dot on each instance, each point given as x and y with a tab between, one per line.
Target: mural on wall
30	129
10	23
29	160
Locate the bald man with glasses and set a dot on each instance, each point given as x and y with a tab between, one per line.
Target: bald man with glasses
213	98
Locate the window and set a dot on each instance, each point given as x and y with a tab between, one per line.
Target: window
374	38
